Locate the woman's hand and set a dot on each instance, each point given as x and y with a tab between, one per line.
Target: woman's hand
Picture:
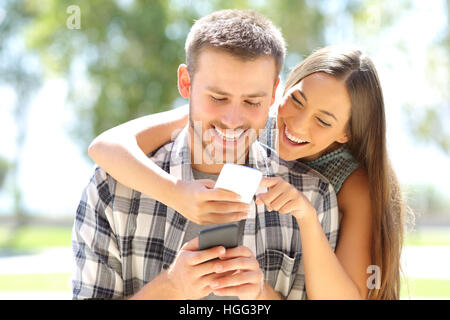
285	198
198	201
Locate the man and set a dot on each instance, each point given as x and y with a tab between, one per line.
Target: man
127	245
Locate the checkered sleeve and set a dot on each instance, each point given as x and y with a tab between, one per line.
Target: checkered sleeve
326	206
97	265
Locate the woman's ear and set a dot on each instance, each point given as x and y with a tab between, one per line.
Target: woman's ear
344	138
184	81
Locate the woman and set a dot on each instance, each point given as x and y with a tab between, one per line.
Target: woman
332	119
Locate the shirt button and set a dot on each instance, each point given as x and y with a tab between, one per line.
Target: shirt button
165	266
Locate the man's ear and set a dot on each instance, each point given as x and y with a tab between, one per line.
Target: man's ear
275	90
184	81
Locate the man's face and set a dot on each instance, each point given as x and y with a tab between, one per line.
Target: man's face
229	103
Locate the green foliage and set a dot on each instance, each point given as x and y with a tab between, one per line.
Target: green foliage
431	237
426	200
35	282
413	288
122	62
4	166
429	123
21	72
32	238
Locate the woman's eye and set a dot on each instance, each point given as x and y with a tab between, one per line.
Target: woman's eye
296	100
323	123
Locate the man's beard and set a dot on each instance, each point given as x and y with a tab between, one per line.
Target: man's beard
207	149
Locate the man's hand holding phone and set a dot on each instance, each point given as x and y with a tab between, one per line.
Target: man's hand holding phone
242	276
193	271
226	272
238	270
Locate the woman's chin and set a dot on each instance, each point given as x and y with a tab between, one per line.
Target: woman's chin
287	155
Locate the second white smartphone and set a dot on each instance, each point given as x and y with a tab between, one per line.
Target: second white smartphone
239	179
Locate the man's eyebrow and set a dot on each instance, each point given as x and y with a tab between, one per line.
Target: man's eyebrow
217	90
223	93
256	95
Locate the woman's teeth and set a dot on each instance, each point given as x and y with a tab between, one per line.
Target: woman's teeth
293	138
229	135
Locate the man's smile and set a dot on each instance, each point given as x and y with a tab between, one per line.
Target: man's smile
229	135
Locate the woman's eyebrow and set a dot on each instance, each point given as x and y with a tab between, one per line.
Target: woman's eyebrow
329	114
323	111
302	94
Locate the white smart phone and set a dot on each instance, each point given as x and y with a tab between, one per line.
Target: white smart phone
239	179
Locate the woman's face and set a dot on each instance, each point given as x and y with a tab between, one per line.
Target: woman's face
312	116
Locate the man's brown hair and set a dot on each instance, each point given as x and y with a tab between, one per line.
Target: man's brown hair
243	33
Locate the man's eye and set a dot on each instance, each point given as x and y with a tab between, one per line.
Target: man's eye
253	104
323	123
215	99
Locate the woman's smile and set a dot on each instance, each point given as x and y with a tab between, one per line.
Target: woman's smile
292	139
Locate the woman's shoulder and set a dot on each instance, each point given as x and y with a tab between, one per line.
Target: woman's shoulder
355	192
358	179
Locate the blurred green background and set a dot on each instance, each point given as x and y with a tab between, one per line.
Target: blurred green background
63	83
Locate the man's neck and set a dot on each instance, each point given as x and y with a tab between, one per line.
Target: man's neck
208	168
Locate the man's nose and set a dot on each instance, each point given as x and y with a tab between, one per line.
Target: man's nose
233	117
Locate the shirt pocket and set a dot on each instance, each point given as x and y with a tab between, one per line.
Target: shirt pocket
280	270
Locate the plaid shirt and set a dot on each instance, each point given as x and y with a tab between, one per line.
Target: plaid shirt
123	239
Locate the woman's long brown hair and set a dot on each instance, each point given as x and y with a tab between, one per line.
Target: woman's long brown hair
367	143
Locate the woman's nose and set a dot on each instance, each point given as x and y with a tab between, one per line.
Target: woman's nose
300	125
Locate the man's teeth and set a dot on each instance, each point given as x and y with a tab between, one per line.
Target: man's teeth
229	135
292	138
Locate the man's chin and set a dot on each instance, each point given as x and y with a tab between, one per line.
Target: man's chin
210	149
229	156
226	152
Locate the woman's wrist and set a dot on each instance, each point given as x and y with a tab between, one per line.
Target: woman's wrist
168	189
306	218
